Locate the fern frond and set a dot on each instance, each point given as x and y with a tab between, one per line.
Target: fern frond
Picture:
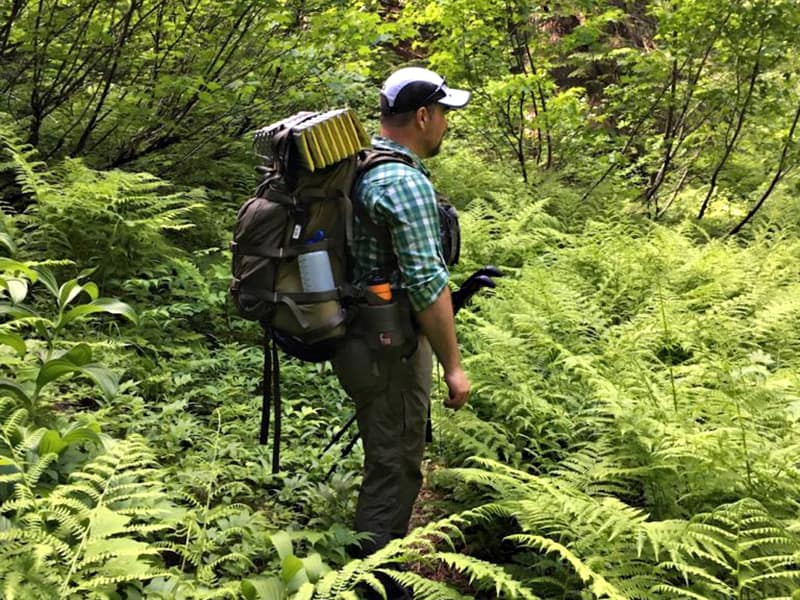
599	585
424	589
482	573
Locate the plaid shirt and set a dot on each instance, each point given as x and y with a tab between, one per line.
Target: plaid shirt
401	198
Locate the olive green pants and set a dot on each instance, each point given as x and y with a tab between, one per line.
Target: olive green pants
392	395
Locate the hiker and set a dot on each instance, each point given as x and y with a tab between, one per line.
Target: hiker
392	391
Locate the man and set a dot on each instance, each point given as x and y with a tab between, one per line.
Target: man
392	391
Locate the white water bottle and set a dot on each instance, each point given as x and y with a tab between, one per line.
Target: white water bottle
315	271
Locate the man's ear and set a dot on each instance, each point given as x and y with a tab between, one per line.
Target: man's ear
423	116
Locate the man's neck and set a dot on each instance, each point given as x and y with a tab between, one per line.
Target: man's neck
403	138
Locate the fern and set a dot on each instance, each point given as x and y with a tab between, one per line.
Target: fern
122	223
90	534
30	173
736	551
603	546
420	550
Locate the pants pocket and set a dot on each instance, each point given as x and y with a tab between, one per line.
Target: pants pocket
356	368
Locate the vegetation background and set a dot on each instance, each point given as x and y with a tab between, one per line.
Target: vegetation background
633	432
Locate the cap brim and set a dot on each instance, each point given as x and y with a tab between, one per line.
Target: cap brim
455	98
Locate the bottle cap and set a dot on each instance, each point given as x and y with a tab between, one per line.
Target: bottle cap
382	290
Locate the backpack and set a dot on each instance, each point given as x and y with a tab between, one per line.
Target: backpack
301	210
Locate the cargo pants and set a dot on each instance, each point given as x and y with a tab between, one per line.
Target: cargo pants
392	396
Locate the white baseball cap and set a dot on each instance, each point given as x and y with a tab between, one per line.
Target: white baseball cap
412	87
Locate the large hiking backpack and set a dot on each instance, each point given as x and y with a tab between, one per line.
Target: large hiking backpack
302	208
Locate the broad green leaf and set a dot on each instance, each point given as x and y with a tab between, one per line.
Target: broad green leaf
291	567
293	573
313	566
82	434
79	354
5	461
105	522
13	340
69	362
8	265
100	305
86	272
261	588
17	311
54	369
17	289
72	289
68	292
91	289
106	379
48	279
7	242
14	389
283	544
51	442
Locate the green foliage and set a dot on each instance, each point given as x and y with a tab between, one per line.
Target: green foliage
603	546
132	217
54	363
737	551
83	536
420	547
635	403
171	87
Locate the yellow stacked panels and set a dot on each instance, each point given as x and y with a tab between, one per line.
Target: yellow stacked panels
325	139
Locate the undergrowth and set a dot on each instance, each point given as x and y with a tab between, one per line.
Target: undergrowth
632	430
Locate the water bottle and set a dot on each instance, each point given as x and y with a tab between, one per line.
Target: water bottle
315	271
378	285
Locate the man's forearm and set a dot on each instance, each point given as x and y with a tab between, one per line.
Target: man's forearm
438	325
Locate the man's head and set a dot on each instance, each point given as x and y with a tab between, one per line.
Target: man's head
414	103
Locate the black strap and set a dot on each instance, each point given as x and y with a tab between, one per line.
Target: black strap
379	232
266	386
345	451
271	390
276	399
338	435
429	425
369	159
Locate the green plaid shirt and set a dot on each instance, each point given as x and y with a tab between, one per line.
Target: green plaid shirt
401	198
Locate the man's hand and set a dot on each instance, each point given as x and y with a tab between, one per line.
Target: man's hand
458	386
479	279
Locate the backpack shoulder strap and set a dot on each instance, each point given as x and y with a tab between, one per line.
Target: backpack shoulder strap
369	159
372	157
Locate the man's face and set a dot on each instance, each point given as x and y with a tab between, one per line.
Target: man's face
436	127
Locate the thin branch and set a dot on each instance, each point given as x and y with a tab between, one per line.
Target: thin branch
731	144
669	153
779	173
16	9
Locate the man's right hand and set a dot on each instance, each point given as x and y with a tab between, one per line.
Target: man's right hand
458	386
